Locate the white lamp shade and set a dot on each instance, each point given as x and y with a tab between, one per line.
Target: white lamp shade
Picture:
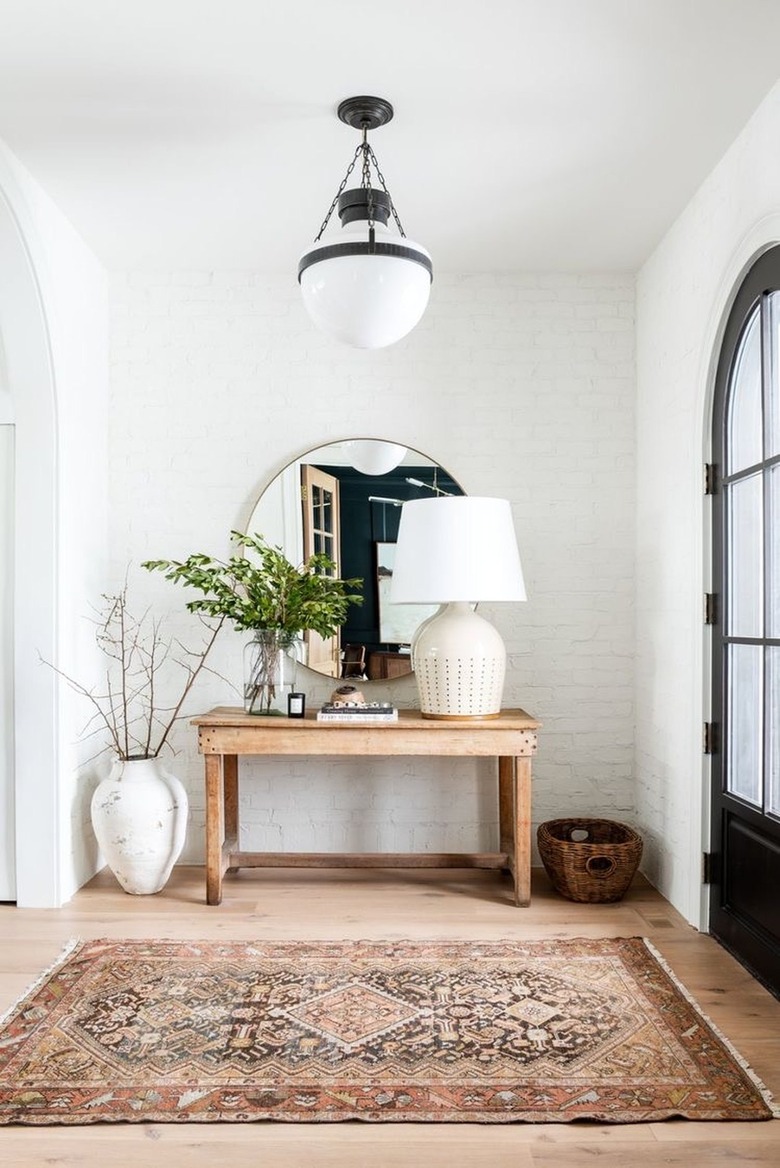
366	301
372	456
460	548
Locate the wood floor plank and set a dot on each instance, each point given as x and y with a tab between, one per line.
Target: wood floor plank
705	1154
280	904
681	1131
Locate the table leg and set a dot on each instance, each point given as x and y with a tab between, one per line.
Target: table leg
215	826
521	785
506	769
230	770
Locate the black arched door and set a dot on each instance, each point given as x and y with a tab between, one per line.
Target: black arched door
745	905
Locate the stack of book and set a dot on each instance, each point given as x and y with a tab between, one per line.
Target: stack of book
358	712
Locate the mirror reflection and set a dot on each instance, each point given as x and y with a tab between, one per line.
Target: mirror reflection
345	499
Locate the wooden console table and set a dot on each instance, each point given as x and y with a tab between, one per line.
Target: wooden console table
226	733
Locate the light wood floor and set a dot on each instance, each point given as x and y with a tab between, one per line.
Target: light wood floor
386	905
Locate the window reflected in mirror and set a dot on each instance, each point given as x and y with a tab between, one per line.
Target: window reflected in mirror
345	499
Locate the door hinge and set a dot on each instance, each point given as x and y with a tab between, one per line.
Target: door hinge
710	608
710	868
304	493
710	737
710	478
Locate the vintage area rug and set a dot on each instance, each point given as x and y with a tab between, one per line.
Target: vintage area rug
543	1031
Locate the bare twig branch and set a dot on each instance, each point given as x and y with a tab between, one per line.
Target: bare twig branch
194	673
128	710
80	689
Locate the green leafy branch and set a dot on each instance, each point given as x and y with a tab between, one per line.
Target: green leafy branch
258	588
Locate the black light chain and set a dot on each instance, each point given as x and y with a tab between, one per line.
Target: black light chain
369	158
350	168
381	178
366	183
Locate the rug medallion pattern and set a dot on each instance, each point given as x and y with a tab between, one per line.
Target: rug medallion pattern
439	1031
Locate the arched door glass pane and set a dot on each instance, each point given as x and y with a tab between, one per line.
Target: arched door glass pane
744	708
744	410
773	681
773	552
745	505
773	358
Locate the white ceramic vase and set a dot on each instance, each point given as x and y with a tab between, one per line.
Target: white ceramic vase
139	814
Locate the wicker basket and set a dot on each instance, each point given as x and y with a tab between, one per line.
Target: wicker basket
589	860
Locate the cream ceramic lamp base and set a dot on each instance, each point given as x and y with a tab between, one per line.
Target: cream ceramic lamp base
459	663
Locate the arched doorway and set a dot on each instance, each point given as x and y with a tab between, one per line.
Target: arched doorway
24	337
745	818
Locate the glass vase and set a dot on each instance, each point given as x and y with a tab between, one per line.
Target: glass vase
269	673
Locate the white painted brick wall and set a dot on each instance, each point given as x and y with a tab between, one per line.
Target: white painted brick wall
522	386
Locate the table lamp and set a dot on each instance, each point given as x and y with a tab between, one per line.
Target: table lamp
455	552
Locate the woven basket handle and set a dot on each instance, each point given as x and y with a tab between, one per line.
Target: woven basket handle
600	866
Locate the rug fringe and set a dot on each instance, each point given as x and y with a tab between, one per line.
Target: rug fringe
758	1083
59	960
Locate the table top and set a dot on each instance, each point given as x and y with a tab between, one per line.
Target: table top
227	730
407	719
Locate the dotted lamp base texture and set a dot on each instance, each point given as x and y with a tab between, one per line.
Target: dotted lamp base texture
460	687
460	662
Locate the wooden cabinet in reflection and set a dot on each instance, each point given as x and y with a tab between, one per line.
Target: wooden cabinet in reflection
382	666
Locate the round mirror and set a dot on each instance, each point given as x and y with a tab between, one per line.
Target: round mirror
345	500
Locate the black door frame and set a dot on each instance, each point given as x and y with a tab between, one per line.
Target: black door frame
751	943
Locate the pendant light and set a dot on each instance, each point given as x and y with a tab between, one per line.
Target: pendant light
374	456
365	286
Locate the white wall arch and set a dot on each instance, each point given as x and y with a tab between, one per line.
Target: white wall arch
764	235
54	337
26	346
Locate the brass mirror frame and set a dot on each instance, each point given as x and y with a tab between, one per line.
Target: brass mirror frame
278	515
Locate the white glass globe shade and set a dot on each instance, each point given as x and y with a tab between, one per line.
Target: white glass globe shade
366	301
375	457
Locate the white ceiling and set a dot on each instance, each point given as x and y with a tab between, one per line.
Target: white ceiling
529	134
